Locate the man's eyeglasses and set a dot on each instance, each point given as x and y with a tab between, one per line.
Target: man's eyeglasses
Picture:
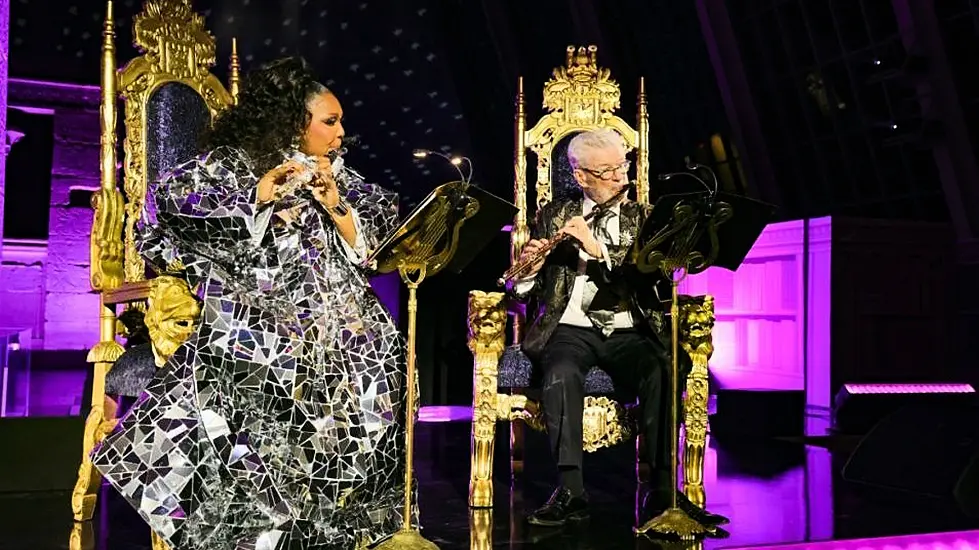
608	173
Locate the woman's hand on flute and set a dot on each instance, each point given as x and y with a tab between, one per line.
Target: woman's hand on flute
324	185
274	178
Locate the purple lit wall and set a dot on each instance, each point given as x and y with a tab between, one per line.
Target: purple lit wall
4	52
760	336
44	284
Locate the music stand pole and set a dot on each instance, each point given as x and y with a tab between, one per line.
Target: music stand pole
674	522
454	222
685	233
409	538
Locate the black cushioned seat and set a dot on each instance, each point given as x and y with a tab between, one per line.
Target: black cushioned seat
516	372
132	372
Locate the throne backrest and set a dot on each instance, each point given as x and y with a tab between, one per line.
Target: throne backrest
170	96
580	96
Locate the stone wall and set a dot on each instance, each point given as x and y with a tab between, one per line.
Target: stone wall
45	285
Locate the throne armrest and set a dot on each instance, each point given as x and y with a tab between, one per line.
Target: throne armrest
127	293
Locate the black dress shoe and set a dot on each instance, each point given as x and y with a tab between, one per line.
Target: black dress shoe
561	508
657	501
698	514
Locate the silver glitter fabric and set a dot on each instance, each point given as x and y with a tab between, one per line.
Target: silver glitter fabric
279	423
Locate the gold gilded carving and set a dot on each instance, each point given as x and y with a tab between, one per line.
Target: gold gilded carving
542	150
520	233
105	248
82	536
642	148
512	407
134	182
171	315
605	421
105	352
581	91
234	76
174	39
99	422
481	529
604	424
100	419
487	323
696	339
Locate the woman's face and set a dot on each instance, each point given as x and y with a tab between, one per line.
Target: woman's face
325	131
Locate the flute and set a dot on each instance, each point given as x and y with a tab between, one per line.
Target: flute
298	183
522	268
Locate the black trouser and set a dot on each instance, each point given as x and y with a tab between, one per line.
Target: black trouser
638	364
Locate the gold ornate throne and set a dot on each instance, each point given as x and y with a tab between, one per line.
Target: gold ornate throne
580	96
169	96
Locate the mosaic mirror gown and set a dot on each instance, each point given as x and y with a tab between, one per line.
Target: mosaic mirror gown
279	423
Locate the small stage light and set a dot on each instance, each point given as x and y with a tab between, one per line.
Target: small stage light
858	407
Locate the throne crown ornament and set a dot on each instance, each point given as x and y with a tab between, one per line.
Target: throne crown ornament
581	90
174	38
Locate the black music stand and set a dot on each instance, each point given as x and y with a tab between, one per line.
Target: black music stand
686	234
453	224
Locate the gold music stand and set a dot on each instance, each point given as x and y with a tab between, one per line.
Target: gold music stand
453	224
684	236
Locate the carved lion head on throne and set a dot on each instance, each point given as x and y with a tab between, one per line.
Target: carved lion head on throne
487	319
697	324
172	314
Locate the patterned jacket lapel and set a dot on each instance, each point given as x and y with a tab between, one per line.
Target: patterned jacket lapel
572	209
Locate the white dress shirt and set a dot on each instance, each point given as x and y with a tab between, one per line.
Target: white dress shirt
574	313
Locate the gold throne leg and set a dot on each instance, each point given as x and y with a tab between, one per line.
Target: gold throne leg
487	322
85	494
100	420
697	321
695	437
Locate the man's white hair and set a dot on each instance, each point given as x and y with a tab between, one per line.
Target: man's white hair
593	140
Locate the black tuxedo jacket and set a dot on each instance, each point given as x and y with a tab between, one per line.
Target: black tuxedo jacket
555	281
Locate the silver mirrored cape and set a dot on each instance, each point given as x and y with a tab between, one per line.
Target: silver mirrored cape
279	423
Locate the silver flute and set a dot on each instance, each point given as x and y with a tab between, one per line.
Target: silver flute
297	183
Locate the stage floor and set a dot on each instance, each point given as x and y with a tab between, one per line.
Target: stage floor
775	493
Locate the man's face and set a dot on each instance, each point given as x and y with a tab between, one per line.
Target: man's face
603	172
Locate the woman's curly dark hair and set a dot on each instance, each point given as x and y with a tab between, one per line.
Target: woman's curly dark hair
271	113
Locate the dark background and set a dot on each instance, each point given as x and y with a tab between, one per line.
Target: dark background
863	108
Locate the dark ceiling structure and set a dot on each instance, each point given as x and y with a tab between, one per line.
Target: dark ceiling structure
435	74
